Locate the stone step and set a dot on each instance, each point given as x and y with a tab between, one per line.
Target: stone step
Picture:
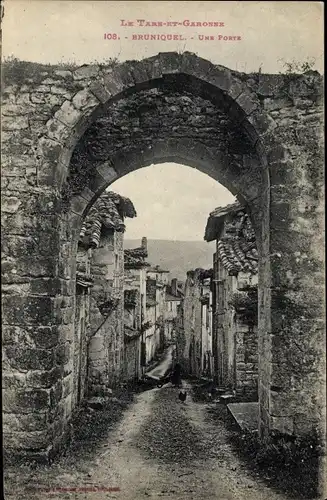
245	415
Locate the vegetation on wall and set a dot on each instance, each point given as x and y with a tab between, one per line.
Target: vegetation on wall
296	67
246	305
17	72
289	463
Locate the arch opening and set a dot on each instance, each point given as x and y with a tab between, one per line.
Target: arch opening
182	118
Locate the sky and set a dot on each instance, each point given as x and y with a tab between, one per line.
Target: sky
172	202
52	31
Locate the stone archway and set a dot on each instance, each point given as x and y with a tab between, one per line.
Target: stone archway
268	174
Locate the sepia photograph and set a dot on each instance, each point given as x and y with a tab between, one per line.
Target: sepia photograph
163	250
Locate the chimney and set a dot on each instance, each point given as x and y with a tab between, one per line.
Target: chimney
174	286
144	243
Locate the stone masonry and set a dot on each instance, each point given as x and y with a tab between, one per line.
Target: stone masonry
192	351
65	138
235	308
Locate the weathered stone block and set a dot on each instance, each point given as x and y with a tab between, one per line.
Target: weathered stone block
46	286
84	100
100	92
66	333
78	204
21	423
12	379
27	310
25	400
86	72
97	357
14	123
38	98
65	316
16	109
49	150
43	89
68	386
63	353
96	344
68	114
248	103
68	367
27	440
44	379
14	334
112	85
56	393
29	358
62	91
57	130
67	404
65	74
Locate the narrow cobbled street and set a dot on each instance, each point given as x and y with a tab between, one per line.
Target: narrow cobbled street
161	448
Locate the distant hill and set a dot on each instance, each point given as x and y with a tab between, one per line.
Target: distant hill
178	257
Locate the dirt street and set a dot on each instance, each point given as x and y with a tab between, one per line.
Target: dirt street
161	448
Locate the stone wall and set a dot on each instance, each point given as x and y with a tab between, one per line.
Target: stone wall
132	328
132	353
106	331
292	355
266	148
192	319
235	333
246	361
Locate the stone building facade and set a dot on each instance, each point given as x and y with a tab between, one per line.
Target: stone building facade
152	340
135	283
235	280
67	134
132	333
157	280
207	363
195	338
100	329
173	298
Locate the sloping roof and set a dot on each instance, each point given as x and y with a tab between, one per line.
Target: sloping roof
135	257
156	269
84	280
200	274
237	249
170	297
108	211
216	219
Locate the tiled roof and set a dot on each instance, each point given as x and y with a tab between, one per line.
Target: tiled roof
84	280
216	219
156	269
170	297
237	249
108	211
200	274
135	257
